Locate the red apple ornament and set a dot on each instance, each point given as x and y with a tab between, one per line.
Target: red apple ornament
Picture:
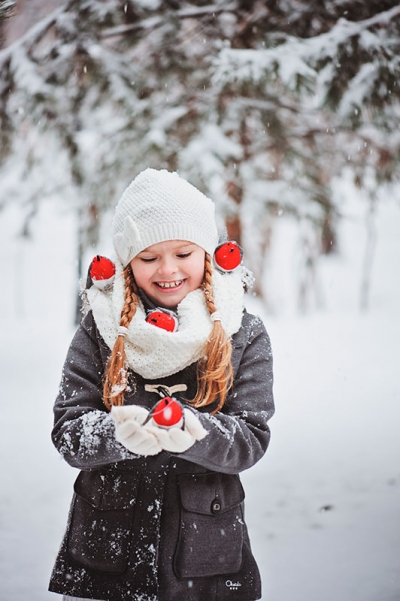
163	319
168	413
228	256
102	272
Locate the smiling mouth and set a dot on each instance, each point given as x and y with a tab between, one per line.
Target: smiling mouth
169	285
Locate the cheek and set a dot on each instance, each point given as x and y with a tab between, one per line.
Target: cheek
197	275
140	273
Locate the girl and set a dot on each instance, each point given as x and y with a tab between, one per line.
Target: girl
157	513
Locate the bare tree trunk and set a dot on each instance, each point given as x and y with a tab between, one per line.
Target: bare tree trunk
79	266
368	255
309	290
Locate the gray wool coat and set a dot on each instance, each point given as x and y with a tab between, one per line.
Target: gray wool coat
168	527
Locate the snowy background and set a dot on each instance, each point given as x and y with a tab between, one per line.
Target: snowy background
323	506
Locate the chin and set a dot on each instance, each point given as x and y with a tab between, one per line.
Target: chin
170	300
170	303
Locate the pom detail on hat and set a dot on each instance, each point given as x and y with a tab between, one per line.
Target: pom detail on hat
102	272
164	319
228	256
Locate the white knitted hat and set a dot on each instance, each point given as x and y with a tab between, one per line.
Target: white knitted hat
159	206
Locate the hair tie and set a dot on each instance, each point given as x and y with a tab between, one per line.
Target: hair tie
216	316
122	331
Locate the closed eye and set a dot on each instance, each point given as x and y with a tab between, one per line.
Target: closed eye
184	255
145	260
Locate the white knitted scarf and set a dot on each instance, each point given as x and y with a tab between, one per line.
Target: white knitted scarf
153	352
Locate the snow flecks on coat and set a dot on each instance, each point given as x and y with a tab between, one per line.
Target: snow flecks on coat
160	507
239	432
82	438
229	434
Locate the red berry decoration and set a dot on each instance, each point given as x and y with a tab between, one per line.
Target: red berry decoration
168	412
228	256
163	320
102	272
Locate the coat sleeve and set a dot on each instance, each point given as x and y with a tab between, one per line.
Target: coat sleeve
238	435
83	429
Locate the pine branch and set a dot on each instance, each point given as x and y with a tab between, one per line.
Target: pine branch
295	56
183	13
344	30
6	6
268	104
35	33
379	19
347	29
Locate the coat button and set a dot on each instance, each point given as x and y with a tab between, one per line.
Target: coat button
216	506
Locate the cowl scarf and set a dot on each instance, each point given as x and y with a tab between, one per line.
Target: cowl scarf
153	352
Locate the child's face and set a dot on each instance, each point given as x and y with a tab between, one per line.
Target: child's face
168	271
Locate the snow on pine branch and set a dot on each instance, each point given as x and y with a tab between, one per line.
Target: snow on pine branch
35	33
204	158
6	6
26	75
158	20
297	62
233	65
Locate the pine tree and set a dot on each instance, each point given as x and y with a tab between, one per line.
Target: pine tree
6	8
260	104
316	97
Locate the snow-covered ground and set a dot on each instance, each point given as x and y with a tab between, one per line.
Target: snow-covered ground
323	506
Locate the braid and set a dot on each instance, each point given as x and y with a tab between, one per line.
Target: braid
131	298
116	380
214	370
208	292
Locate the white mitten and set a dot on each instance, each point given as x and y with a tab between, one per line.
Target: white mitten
176	440
130	432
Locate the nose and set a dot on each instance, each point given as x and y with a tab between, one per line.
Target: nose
167	266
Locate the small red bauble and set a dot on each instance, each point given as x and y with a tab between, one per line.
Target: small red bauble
228	256
163	319
168	413
102	272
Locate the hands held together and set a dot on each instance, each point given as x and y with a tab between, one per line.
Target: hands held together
142	436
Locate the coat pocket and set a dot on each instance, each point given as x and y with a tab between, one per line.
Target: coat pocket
212	527
101	520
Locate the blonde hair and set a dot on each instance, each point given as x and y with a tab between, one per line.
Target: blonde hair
116	377
214	369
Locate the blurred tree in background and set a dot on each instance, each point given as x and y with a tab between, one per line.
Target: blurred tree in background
259	104
6	8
